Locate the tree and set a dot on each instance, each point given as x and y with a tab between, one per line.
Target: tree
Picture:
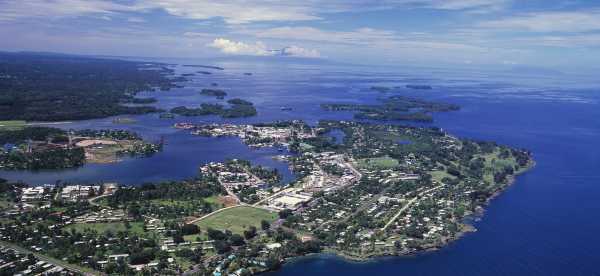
236	240
265	225
250	233
190	229
283	214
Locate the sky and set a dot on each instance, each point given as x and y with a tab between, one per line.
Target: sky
553	34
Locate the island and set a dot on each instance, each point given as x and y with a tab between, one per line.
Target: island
238	108
384	190
419	86
205	66
218	93
381	89
36	148
395	108
40	87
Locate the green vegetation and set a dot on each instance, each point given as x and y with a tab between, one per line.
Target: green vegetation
378	163
12	125
395	108
38	87
36	148
236	101
237	219
220	94
102	228
169	199
238	108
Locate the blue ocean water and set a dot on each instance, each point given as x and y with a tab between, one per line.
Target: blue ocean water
545	224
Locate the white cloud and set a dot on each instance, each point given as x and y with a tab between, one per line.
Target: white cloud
53	9
239	48
259	49
231	11
549	22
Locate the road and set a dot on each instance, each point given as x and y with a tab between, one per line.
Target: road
91	200
408	204
50	260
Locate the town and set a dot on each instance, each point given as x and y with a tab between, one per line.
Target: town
379	190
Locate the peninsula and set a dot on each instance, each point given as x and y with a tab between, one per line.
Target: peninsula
383	190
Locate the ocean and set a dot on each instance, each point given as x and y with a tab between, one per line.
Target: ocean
545	224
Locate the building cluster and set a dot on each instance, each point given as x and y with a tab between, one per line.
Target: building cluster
257	136
79	192
39	193
233	177
104	215
13	262
291	198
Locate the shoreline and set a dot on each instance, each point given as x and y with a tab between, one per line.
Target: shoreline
466	228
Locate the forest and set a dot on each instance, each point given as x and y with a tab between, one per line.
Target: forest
46	87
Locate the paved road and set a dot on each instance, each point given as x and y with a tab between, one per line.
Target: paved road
407	206
91	200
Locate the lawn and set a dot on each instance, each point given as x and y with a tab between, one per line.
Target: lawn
237	219
439	175
379	163
136	227
12	125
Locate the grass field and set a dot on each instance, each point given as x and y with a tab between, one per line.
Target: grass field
237	219
380	163
12	125
136	227
439	175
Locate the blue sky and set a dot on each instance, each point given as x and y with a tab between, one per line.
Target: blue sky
559	34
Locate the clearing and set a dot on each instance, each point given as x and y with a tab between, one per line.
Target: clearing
237	219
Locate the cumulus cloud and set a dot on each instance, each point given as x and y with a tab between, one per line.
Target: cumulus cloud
239	48
260	49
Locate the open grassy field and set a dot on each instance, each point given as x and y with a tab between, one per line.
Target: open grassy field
439	175
237	219
380	163
136	227
496	164
12	125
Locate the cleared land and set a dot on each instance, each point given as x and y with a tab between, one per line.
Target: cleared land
380	163
237	219
12	125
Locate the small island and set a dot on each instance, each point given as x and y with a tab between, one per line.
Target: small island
205	66
218	93
238	108
381	89
419	86
395	108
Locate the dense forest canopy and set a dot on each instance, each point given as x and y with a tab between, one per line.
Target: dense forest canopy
45	87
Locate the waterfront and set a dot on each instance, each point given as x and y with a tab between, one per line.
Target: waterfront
542	225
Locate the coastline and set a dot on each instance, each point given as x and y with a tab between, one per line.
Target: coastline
466	228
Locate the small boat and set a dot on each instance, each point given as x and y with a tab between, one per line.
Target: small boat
286	108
